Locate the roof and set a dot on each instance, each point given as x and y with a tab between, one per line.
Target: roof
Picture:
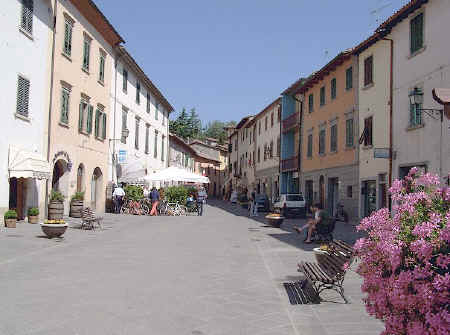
199	156
294	87
243	121
130	61
95	17
270	106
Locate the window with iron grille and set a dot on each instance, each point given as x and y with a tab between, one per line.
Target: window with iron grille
333	88
136	134
416	33
148	102
310	146
100	123
163	143
322	95
102	61
26	18
124	80
68	28
23	96
147	138
322	142
349	78
138	92
333	138
311	103
86	52
368	71
415	115
123	138
65	94
156	144
349	133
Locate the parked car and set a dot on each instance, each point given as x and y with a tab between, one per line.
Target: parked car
291	205
262	202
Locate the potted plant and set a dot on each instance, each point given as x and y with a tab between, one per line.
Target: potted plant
56	206
76	204
33	215
275	219
54	228
10	218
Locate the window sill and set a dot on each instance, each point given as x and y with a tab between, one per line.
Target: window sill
83	132
66	56
368	86
101	82
138	102
322	155
414	127
349	148
26	33
62	124
348	89
85	70
22	117
417	52
99	139
367	147
333	152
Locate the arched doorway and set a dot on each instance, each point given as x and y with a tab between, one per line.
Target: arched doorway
59	177
322	190
96	188
80	178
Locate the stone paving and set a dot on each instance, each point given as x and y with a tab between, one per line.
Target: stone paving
213	275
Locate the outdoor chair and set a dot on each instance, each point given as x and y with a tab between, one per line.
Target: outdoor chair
88	219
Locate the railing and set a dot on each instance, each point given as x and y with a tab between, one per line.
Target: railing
289	164
290	122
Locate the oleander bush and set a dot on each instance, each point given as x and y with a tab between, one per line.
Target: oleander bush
134	192
404	260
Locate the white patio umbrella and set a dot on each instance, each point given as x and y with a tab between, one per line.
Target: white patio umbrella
173	173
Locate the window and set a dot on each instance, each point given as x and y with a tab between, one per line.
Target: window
322	95
65	94
322	142
349	191
368	71
148	102
333	138
310	146
26	19
259	154
136	134
416	33
333	88
415	115
85	116
123	137
271	149
86	52
349	133
349	78
138	92
23	96
163	140
124	80
163	115
259	131
311	103
278	114
147	138
265	123
156	144
68	28
278	146
265	152
100	123
101	73
367	135
156	111
271	120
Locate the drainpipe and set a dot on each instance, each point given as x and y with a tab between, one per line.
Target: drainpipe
50	102
116	61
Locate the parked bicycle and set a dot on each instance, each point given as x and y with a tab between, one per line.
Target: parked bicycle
139	207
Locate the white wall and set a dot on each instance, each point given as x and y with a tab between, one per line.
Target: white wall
429	68
28	56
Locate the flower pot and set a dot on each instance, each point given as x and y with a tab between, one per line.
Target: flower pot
275	221
10	223
54	230
55	210
76	207
33	219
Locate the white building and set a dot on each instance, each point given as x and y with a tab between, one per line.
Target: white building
421	62
25	49
139	140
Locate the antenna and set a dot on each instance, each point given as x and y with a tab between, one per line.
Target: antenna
376	13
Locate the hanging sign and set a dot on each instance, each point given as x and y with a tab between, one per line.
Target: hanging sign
122	156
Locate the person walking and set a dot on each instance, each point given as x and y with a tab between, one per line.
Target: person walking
253	209
154	197
201	198
118	195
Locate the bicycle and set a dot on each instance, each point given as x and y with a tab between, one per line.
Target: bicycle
175	209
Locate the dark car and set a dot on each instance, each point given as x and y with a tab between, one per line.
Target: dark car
263	203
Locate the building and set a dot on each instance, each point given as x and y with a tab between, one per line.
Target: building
265	128
139	127
26	43
80	101
329	151
374	88
420	137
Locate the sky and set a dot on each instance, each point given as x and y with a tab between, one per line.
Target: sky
232	58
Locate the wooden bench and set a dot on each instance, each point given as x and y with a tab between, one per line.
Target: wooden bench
88	219
328	271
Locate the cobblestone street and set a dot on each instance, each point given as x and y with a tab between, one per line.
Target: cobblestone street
217	274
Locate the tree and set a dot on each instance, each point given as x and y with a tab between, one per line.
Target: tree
216	129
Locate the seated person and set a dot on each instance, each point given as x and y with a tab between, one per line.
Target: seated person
319	216
190	200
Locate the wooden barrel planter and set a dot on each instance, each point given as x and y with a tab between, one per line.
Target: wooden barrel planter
76	207
55	210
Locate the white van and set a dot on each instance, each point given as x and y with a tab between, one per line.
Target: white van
291	204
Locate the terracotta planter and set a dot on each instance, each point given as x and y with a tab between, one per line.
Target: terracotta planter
54	230
10	223
76	207
275	221
55	210
33	219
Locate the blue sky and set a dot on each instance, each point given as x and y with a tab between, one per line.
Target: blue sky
231	58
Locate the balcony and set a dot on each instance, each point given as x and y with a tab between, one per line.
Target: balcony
290	164
290	122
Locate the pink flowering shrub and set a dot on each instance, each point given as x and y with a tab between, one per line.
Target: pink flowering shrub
404	260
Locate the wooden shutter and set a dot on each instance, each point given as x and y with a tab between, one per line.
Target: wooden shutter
101	75
27	16
23	96
349	78
104	125
333	88
97	123
80	117
89	119
311	102
368	70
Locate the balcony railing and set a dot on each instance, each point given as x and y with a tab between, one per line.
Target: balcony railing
290	122
289	164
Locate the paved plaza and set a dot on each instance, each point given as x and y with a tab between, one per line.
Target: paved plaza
220	274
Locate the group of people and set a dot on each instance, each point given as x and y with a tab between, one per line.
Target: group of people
199	199
119	195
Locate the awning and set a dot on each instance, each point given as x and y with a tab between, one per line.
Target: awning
27	164
176	174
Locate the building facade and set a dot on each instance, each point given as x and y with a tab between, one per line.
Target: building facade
26	31
80	101
139	129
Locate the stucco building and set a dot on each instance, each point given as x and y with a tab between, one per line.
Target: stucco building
26	28
80	101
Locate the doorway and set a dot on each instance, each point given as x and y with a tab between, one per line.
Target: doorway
309	194
96	188
333	195
322	191
370	197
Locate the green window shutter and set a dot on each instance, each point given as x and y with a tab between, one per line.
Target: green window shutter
97	123
416	33
65	107
311	103
101	75
89	119
104	126
322	95
162	148
349	78
80	118
66	38
86	55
